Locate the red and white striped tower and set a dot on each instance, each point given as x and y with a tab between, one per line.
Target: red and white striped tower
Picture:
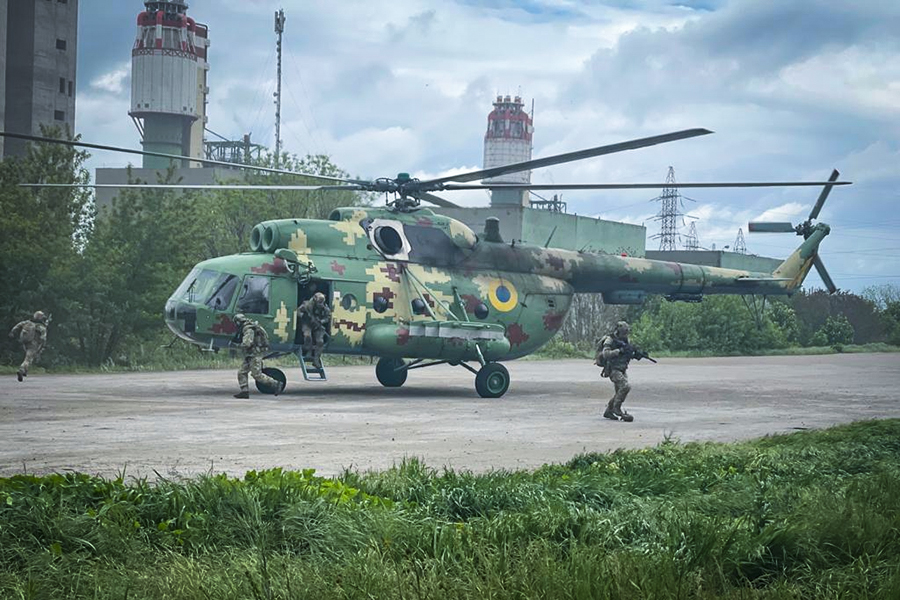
508	140
168	81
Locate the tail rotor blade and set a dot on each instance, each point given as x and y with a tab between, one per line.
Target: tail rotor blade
825	191
826	278
771	227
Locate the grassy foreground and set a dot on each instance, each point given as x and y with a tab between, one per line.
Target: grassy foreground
809	515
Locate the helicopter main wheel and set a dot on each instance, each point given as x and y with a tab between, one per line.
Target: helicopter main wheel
276	374
492	380
388	374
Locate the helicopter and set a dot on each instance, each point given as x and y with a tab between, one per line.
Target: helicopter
418	289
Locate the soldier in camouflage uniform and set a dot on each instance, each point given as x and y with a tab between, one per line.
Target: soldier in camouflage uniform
613	356
254	342
315	316
32	335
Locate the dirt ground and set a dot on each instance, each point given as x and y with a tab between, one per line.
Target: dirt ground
187	422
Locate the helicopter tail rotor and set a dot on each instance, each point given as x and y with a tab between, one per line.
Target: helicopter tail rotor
805	229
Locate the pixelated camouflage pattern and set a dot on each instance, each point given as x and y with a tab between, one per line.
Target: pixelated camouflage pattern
527	290
33	337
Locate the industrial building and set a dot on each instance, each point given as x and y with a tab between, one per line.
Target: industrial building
509	139
169	68
38	43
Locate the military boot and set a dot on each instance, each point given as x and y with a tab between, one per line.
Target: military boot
609	413
243	395
19	376
622	414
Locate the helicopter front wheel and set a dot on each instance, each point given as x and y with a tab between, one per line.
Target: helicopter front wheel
276	374
391	372
492	380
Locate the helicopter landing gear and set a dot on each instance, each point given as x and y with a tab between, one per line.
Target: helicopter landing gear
391	372
276	374
492	380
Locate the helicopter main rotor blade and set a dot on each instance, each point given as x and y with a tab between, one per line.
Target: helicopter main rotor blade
825	191
626	186
770	227
437	200
206	161
567	157
179	186
826	278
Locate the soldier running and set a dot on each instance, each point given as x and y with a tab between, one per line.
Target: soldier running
315	317
254	342
32	334
613	355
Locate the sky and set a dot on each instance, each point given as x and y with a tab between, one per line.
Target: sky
791	89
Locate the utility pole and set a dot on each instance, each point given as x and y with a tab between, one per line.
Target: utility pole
740	246
692	241
669	211
279	29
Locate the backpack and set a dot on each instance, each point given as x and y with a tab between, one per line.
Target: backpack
27	332
600	360
260	337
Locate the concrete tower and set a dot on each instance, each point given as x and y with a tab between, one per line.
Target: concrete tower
168	81
37	68
508	140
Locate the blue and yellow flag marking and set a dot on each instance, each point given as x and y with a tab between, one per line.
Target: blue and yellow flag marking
503	295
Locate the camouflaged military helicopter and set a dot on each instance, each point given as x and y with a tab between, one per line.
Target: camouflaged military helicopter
417	289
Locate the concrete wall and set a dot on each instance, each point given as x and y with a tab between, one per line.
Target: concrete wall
717	258
39	80
571	231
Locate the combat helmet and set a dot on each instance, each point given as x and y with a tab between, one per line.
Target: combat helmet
319	298
239	319
39	317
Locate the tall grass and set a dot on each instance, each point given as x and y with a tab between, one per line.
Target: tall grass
808	515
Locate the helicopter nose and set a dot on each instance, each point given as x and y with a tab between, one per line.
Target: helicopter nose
181	318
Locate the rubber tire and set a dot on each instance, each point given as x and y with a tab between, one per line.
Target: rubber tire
386	374
277	375
492	380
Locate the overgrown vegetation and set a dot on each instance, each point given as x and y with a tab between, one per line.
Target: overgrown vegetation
808	515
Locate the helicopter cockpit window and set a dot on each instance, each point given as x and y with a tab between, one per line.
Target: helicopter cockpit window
196	286
388	240
254	295
223	292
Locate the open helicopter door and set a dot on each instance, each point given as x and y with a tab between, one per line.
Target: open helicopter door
312	368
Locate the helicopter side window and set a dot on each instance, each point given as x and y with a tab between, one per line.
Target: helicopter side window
254	295
223	292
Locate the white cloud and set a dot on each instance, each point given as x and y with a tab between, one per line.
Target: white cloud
113	81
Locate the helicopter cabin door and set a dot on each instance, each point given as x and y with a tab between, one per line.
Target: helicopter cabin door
304	293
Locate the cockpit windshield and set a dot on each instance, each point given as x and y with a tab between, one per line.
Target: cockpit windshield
208	286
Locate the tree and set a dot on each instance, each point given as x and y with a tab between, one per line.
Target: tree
42	230
229	215
835	331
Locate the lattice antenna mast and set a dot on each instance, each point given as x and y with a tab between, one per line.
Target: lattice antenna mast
692	240
740	246
669	212
279	30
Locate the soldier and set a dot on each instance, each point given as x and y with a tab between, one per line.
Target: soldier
32	335
613	355
315	316
254	342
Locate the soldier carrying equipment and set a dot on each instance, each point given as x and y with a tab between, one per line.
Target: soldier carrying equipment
254	342
614	352
32	334
315	317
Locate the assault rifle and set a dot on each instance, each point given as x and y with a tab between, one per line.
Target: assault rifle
632	351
